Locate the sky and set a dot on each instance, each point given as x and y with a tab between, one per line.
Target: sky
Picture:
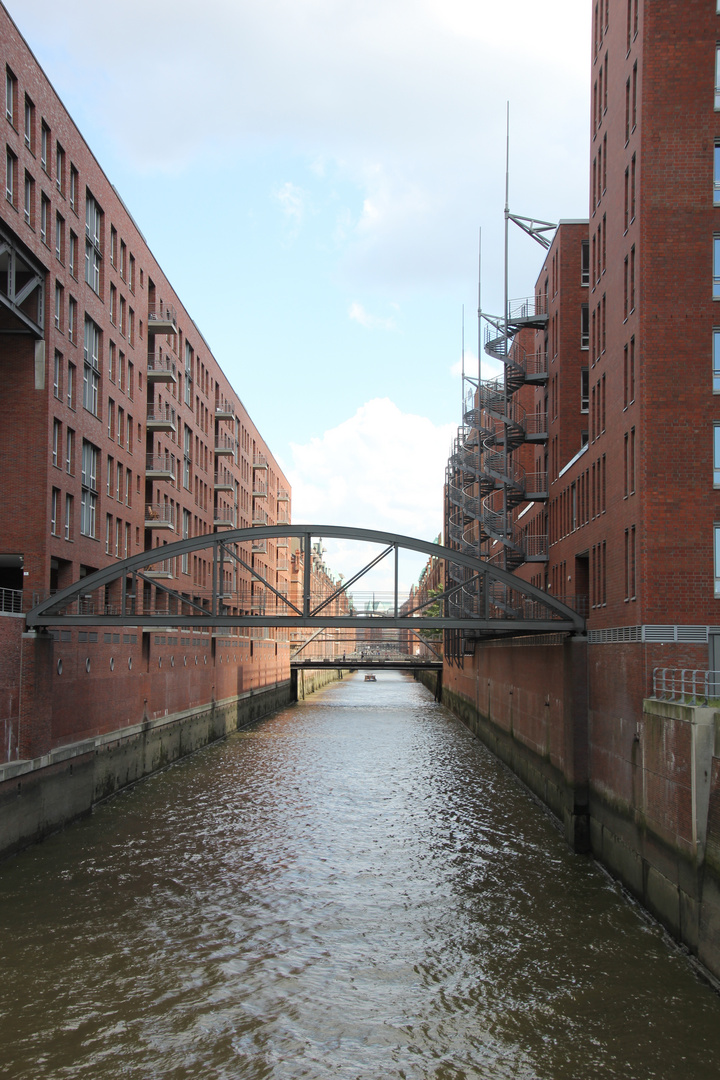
314	177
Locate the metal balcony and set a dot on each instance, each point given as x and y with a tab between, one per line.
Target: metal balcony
224	411
259	490
159	516
259	462
160	467
224	482
160	418
259	517
161	319
225	445
224	517
282	495
161	367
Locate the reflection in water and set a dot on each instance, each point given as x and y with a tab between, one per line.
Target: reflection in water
354	888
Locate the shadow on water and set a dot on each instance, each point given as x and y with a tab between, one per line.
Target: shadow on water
352	888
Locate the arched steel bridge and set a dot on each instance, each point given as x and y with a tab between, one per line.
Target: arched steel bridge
140	591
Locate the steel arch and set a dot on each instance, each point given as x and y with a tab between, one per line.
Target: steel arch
537	611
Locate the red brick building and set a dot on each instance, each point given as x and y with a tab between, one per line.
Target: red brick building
626	353
121	432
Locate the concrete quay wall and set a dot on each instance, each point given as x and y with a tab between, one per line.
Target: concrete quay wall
634	781
40	796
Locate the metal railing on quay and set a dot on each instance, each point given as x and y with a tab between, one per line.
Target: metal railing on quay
11	601
689	686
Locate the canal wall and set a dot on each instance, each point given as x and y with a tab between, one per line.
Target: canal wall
307	682
635	781
40	796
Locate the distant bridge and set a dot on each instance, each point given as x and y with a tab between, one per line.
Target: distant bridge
142	590
398	663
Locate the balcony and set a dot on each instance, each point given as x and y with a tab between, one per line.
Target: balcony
160	467
282	495
259	546
224	517
224	482
225	445
160	367
159	516
224	411
259	490
160	418
161	319
282	565
259	462
259	517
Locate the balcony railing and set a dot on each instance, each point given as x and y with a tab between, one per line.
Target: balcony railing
259	517
259	462
161	319
160	466
224	515
161	417
282	495
259	490
159	516
527	307
160	366
224	410
224	481
224	445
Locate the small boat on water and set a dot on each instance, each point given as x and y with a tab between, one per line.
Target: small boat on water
370	678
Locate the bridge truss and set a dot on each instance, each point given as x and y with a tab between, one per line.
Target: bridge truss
145	590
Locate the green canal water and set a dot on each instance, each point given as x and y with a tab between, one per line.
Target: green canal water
354	889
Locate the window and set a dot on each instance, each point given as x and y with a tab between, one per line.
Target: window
716	268
187	446
60	168
111	419
44	214
130	379
88	497
54	510
128	487
627	198
131	280
73	187
121	371
10	95
58	305
70	451
59	238
188	374
71	386
72	256
93	230
121	427
119	489
57	375
131	326
29	198
110	474
716	455
111	361
113	304
584	326
717	76
584	390
91	367
108	533
68	516
716	175
29	124
185	536
72	318
56	436
10	176
44	140
123	258
113	245
634	96
585	262
118	538
122	315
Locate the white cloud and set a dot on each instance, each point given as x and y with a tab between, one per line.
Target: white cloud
380	469
403	98
357	313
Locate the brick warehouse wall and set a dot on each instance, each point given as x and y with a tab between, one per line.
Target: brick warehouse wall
95	689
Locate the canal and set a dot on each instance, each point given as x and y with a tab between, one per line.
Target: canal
351	888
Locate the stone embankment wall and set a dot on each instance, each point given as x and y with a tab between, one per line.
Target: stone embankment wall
635	785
